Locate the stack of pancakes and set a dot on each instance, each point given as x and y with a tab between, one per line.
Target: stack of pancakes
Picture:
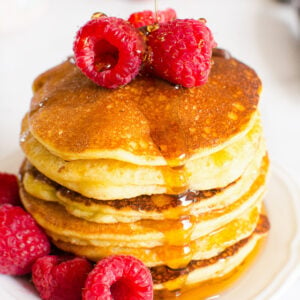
173	176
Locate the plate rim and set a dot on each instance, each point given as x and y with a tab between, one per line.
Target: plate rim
291	271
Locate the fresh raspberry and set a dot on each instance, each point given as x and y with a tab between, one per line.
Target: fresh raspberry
119	278
9	189
59	277
180	51
22	241
148	17
109	51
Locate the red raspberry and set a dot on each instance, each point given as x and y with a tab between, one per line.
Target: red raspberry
59	277
119	278
22	241
109	51
9	189
148	17
180	51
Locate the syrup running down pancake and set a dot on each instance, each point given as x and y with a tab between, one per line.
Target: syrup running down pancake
173	176
147	122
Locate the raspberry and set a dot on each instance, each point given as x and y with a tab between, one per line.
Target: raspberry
109	51
9	189
180	51
22	241
59	277
148	17
119	278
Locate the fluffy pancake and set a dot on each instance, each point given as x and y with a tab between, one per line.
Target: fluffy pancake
157	207
96	240
174	256
76	119
218	252
145	233
120	180
173	176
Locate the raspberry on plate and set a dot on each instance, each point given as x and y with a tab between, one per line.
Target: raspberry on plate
60	277
148	17
119	278
22	241
109	51
9	189
180	51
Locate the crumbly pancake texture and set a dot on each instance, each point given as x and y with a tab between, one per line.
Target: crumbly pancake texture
148	121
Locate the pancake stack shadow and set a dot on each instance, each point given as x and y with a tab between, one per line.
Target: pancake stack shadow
173	176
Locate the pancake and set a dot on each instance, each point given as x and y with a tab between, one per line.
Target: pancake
231	250
156	207
173	176
61	226
173	256
145	233
147	122
120	180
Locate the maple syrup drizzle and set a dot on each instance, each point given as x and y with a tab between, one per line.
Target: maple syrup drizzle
176	180
155	11
219	52
212	289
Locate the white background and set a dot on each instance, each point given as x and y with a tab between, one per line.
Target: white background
38	34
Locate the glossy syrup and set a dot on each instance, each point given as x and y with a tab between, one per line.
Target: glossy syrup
213	289
176	181
180	231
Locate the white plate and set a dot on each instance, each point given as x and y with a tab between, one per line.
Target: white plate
276	266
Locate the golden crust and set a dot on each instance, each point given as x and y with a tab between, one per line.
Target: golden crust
76	119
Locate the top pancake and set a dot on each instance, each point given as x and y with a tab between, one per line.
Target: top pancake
147	122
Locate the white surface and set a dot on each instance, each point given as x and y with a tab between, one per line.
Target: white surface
38	34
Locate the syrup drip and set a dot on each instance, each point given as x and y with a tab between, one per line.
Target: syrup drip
180	233
176	181
154	26
151	27
97	15
24	136
71	59
218	52
155	11
212	289
106	56
38	106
